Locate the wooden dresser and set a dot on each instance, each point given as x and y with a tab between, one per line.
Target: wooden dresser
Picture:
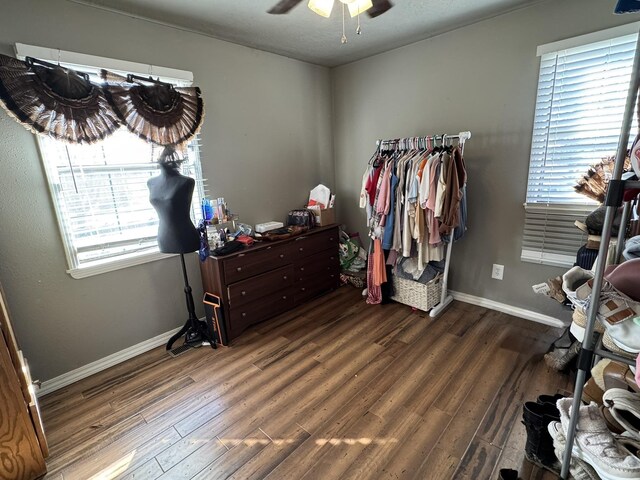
270	278
23	446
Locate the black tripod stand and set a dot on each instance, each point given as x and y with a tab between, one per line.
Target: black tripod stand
194	330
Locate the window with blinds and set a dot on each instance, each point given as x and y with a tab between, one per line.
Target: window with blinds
99	191
101	197
579	107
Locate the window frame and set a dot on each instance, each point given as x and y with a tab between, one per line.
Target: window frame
540	254
93	64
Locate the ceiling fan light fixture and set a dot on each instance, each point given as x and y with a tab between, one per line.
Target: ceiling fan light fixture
357	7
321	7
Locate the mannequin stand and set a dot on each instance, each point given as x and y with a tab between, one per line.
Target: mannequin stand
194	330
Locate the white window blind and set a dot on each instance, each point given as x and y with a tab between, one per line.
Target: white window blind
579	107
101	198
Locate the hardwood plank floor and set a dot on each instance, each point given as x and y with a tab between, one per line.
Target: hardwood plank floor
335	389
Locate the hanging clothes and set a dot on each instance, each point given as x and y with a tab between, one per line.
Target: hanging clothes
456	178
415	201
387	239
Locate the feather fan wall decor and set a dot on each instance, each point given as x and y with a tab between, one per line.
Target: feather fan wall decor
158	112
55	101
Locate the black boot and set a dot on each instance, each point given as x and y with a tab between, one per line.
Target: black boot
552	399
536	418
508	474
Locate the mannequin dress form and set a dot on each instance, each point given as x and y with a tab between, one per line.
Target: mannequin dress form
170	194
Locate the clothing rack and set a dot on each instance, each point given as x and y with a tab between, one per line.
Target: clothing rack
591	348
425	142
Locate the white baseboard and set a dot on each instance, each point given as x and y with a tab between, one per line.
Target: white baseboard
508	309
68	378
85	371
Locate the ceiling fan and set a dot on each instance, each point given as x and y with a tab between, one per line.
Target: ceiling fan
323	7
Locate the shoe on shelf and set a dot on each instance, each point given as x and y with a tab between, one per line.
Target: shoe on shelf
612	423
596	445
552	399
624	407
631	444
612	346
563	341
580	470
539	447
592	392
555	289
560	358
579	324
619	375
508	474
624	278
572	280
619	314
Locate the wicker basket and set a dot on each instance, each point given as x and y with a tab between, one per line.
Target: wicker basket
415	294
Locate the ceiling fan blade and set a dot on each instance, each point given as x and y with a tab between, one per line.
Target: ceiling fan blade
283	6
379	7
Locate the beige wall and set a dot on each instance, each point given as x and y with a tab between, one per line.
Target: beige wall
481	78
266	142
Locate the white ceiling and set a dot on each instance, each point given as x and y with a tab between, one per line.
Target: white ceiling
302	34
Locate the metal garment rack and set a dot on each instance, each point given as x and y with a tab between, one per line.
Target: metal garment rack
591	348
423	143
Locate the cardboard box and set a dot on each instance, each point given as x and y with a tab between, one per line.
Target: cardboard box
325	217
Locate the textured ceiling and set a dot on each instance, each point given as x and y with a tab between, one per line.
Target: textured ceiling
302	34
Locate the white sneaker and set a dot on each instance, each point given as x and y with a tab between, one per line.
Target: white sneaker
624	407
572	280
628	442
580	470
618	313
595	444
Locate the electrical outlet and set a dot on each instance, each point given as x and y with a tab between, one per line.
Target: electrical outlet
497	272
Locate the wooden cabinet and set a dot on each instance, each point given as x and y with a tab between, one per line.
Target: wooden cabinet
23	446
269	278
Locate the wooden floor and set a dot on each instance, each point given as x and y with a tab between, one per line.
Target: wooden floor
336	389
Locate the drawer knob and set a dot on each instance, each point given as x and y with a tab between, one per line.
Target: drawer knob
331	258
332	276
284	297
243	293
302	289
284	277
331	239
302	269
239	269
282	255
244	314
301	249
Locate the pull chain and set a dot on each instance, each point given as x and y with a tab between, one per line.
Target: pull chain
358	29
343	40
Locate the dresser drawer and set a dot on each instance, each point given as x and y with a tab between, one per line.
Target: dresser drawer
319	263
254	288
247	265
315	285
243	316
309	244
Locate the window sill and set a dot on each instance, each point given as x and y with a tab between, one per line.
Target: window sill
551	259
118	264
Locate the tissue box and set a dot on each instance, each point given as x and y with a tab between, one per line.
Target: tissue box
265	227
324	217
